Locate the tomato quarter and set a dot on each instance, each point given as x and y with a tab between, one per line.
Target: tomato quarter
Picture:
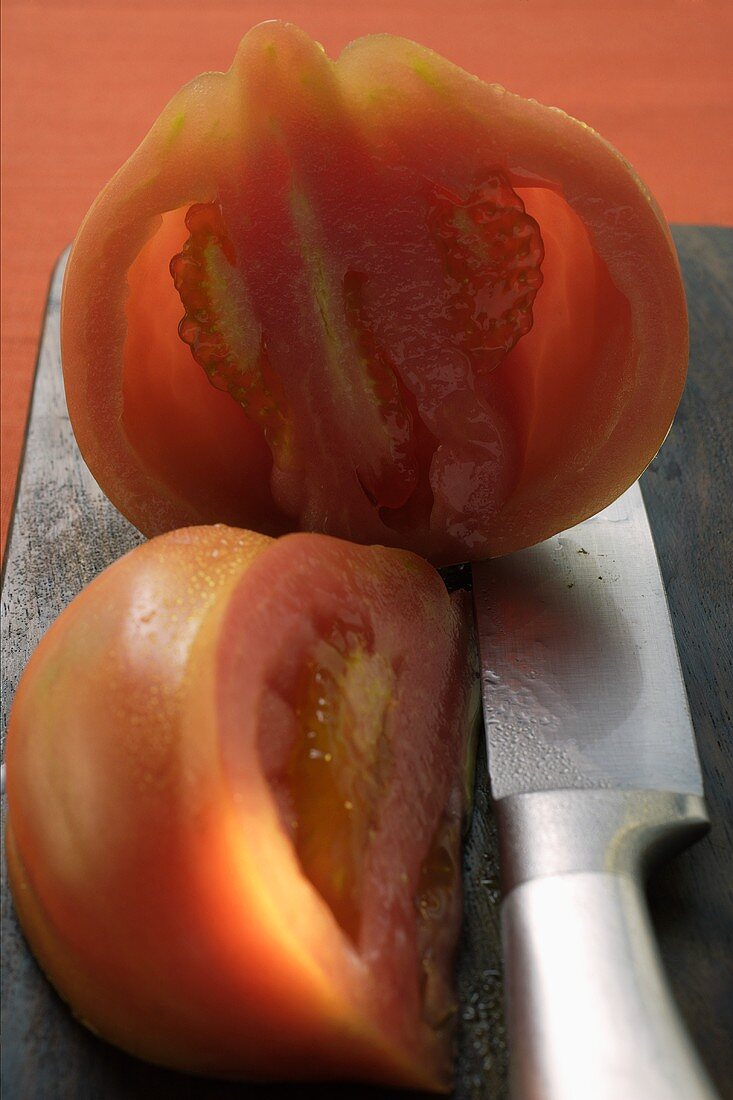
236	773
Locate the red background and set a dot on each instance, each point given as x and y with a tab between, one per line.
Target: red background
83	81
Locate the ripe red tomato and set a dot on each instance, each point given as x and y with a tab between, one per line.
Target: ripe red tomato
235	788
403	307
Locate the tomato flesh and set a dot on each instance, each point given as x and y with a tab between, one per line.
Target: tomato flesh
204	437
331	789
436	904
492	253
231	350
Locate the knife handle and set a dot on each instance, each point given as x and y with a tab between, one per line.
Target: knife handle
590	1015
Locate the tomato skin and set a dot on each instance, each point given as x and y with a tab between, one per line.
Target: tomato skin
149	865
573	414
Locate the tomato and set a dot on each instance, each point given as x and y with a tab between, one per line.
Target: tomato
372	297
235	774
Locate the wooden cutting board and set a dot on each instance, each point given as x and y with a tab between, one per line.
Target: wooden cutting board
65	531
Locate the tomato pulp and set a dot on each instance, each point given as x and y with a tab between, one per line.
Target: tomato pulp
236	774
372	297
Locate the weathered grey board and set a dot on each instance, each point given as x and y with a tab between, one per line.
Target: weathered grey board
65	532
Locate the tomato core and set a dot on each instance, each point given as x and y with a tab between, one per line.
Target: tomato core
488	251
338	765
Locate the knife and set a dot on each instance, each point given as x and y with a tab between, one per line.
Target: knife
594	775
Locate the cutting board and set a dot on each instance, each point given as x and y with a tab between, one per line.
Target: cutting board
65	531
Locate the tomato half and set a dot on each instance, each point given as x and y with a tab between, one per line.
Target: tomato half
236	774
372	297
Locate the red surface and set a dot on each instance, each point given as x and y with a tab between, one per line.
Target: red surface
83	81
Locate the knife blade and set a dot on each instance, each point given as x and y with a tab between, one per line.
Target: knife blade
594	774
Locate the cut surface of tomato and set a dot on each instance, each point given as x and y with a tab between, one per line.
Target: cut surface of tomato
419	310
236	773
